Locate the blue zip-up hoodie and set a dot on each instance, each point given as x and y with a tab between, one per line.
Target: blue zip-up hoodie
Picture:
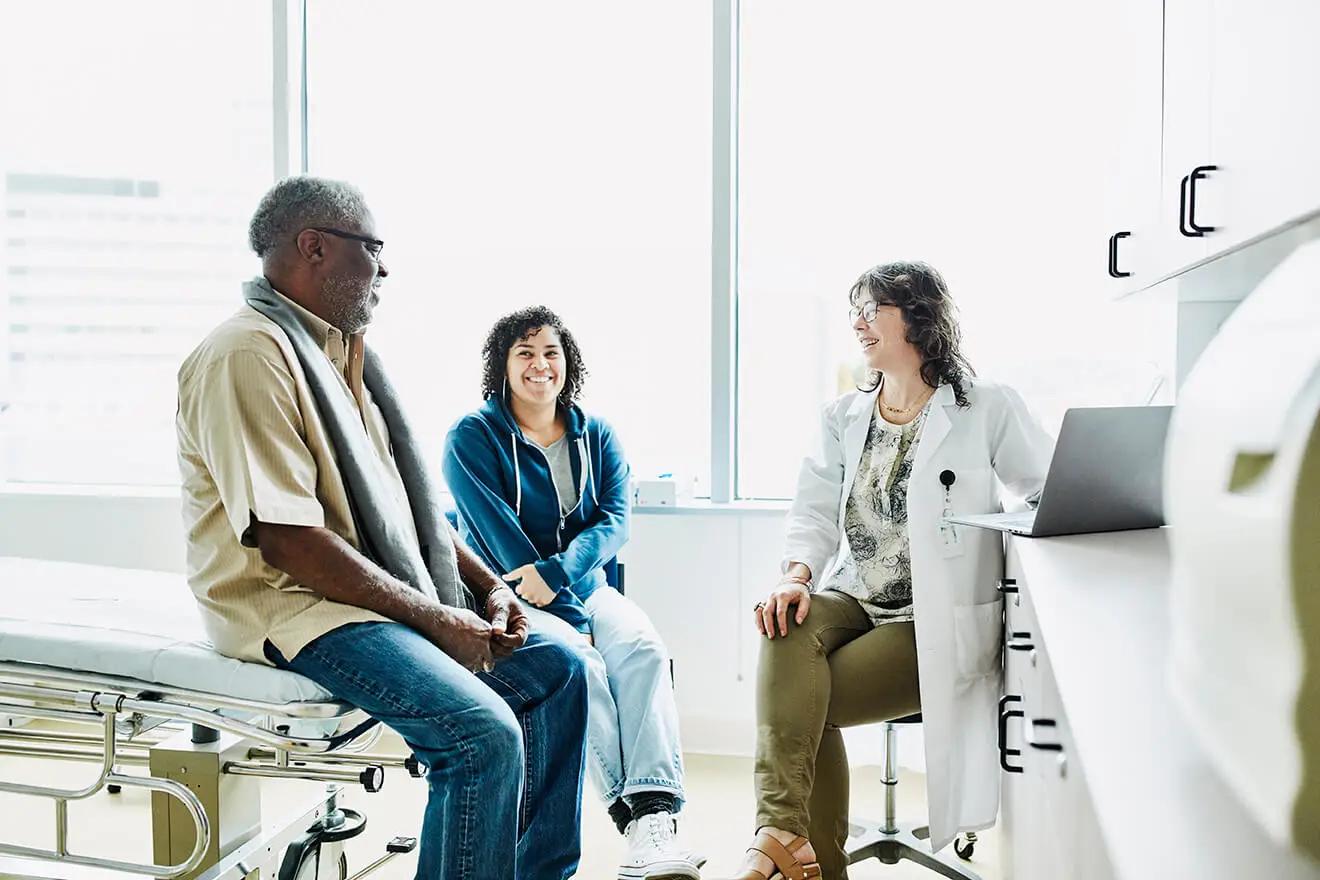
509	510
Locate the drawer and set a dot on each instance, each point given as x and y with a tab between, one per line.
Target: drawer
1071	839
1049	825
1021	644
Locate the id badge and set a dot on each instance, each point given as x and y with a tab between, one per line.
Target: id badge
950	540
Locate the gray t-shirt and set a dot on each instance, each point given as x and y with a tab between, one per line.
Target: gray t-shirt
877	571
561	471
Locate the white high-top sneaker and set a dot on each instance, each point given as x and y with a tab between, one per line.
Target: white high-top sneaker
654	853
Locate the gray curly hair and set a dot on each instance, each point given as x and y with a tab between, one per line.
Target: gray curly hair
298	203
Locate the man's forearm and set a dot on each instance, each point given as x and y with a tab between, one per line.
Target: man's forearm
324	562
473	572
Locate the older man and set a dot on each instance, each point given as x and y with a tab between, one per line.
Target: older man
315	544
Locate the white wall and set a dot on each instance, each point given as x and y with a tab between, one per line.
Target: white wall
696	572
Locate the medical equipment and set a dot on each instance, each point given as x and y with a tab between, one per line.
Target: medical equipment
1242	494
123	651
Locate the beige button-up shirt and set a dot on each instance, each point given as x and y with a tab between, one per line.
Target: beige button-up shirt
252	445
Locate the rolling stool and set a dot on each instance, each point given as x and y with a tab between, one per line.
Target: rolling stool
890	840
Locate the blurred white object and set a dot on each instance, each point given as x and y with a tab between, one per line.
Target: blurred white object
1242	494
666	490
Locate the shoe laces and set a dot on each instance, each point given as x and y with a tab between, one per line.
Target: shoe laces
658	829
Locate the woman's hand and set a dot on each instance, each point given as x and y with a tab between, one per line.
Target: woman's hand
774	610
528	583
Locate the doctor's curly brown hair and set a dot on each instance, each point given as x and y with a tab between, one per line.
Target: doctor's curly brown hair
920	293
517	326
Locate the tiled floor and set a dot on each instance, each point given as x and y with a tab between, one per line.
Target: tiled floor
717	821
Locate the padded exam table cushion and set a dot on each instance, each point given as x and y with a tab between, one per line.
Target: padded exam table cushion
142	625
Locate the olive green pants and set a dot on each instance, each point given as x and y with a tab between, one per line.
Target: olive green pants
835	670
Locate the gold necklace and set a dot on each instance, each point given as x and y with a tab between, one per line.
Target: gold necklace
902	412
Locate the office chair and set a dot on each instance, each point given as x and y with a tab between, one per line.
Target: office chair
889	841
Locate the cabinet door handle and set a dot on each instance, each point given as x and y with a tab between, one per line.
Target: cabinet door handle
1182	209
1007	585
1198	173
1004	714
1113	255
1029	734
1019	641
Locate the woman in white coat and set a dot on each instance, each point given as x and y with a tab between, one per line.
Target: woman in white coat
884	609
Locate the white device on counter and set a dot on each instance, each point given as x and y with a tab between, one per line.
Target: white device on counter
1242	495
667	490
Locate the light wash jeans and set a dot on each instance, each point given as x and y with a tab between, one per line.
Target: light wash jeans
503	748
632	725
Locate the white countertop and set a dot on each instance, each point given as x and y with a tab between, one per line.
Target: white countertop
1101	604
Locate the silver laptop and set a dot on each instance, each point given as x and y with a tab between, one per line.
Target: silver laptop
1107	474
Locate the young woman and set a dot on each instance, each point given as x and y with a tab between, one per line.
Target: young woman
871	570
543	496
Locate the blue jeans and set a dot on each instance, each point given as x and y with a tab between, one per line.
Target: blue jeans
490	740
632	732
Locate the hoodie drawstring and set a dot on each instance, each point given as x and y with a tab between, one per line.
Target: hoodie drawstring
585	482
586	465
517	473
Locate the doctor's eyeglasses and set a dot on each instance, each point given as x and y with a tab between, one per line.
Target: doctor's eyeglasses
866	311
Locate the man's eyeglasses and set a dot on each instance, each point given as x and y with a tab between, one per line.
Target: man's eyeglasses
373	245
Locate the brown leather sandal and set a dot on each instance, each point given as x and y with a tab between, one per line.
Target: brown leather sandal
786	864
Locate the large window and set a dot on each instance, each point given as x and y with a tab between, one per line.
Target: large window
135	139
961	134
524	153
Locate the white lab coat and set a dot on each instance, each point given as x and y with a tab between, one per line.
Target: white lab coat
956	606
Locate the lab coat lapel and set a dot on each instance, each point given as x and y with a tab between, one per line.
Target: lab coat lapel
936	427
856	425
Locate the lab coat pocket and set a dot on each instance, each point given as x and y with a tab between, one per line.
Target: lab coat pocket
977	632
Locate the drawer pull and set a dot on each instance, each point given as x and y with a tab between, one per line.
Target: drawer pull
1029	734
1019	641
1006	713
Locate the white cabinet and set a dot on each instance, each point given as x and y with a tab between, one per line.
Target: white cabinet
1130	110
1264	115
1187	35
1241	123
1049	826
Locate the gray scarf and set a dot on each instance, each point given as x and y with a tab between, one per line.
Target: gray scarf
431	567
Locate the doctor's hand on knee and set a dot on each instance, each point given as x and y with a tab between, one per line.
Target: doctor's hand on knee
772	614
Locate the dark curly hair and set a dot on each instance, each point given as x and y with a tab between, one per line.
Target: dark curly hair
931	318
517	326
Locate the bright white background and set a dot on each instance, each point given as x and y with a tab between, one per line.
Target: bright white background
533	153
135	141
526	153
974	136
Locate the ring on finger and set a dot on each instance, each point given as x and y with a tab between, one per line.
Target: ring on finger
758	606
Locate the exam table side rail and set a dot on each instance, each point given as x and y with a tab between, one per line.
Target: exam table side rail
140	702
107	776
41	692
